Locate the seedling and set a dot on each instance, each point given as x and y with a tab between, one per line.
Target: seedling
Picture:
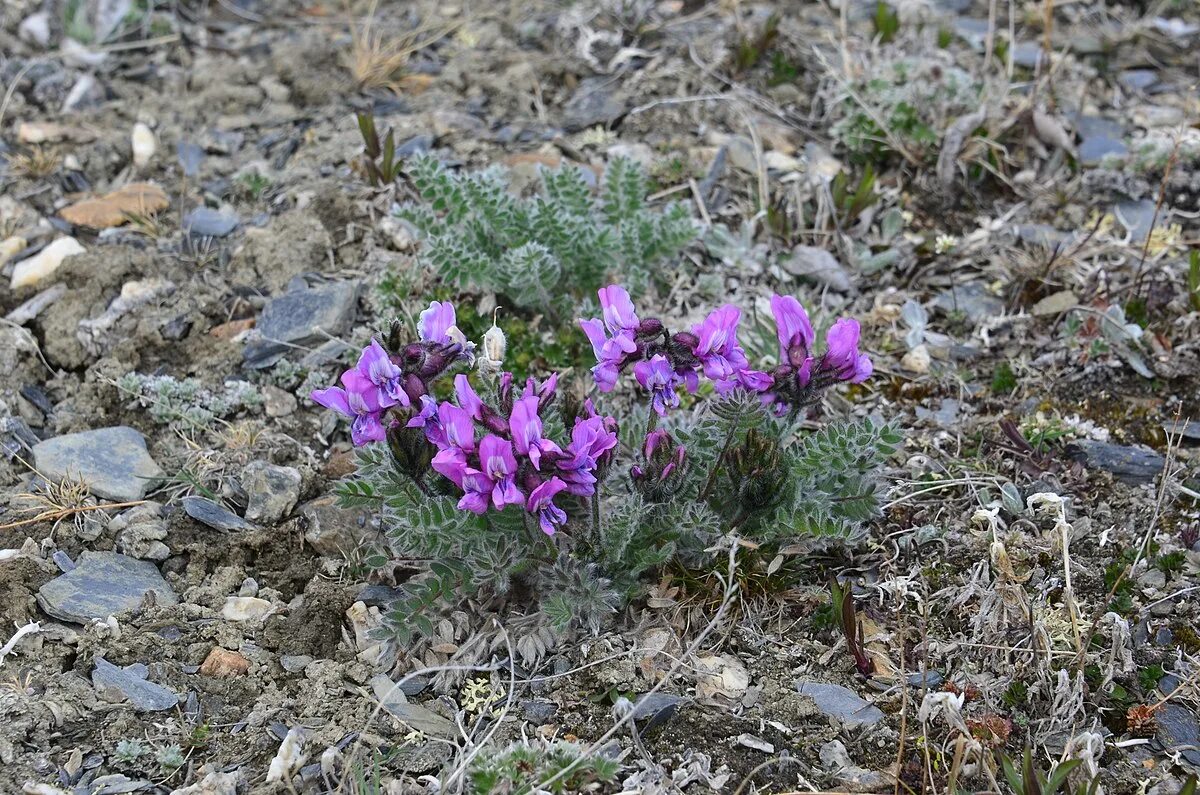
847	620
378	162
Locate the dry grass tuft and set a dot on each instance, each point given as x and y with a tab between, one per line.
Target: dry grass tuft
38	163
377	58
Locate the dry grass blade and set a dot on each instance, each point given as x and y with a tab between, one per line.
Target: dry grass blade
38	163
376	58
55	501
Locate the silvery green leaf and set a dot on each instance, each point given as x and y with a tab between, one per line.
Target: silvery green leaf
914	314
891	224
1010	498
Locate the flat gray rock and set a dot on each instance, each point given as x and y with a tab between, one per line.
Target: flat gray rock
304	318
840	702
208	513
972	298
1178	730
1133	465
592	103
819	265
131	682
103	584
415	716
113	462
1138	217
206	222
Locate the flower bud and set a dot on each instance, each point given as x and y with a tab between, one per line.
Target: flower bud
649	328
663	471
411	451
755	472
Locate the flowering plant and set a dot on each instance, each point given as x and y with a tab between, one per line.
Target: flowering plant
516	493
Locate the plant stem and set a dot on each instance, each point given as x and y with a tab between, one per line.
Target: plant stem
596	517
712	476
651	421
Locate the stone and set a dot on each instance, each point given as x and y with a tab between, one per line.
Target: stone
1188	430
819	265
1178	731
918	360
278	402
11	247
538	712
214	783
115	684
414	716
657	709
418	144
1133	465
92	333
42	265
117	784
272	491
840	702
333	531
1138	79
223	663
1055	304
245	608
639	153
35	29
143	144
103	584
295	663
113	209
112	462
972	298
305	318
592	103
209	513
207	222
1137	217
849	776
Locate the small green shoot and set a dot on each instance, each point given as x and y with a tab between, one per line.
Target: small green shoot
749	51
1193	279
887	22
378	163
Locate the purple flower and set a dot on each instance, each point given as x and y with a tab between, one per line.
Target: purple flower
452	463
541	504
438	324
544	391
469	399
526	428
592	441
795	331
660	378
428	419
717	345
457	426
478	487
377	367
360	401
613	337
841	353
498	464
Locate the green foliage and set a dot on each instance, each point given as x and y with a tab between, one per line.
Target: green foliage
749	50
851	202
782	70
523	767
910	101
1031	781
1004	380
887	22
548	252
1149	676
378	163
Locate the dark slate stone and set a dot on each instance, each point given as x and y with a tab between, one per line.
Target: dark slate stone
103	584
592	103
841	703
208	513
113	462
1132	465
415	716
63	561
657	709
415	146
538	712
131	681
1099	137
1188	430
306	318
1178	730
378	595
206	222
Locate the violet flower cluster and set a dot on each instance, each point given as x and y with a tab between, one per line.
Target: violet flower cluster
499	456
662	362
496	455
381	381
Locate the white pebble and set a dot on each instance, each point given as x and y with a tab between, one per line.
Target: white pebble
144	145
45	262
